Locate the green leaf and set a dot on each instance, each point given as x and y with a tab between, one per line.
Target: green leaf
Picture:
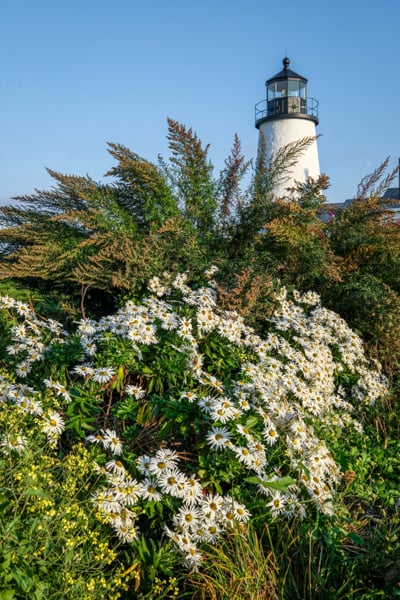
143	550
147	371
357	539
280	484
34	492
252	422
7	594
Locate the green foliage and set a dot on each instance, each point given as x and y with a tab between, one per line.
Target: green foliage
230	195
373	309
82	249
56	233
238	567
191	175
52	544
164	380
94	242
296	239
142	188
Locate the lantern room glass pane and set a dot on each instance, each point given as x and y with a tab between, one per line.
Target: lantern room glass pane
286	87
294	88
271	95
282	89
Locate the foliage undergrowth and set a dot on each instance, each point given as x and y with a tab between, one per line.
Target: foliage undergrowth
235	429
173	425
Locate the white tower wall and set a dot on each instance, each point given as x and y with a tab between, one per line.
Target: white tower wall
280	132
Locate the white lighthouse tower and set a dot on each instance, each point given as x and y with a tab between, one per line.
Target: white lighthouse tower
287	115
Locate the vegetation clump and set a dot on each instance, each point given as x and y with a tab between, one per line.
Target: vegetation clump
161	417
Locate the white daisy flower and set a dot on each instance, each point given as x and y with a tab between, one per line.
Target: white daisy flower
192	558
126	533
62	391
222	412
15	349
19	331
33	407
193	491
23	309
24	368
188	516
53	424
14	442
240	512
277	503
103	374
87	327
144	463
211	505
270	433
180	281
149	490
112	442
218	438
172	482
116	466
7	301
136	391
54	326
89	346
206	404
190	396
127	491
106	502
34	354
84	370
163	460
212	532
95	439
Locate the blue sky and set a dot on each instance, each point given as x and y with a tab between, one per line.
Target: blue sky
77	74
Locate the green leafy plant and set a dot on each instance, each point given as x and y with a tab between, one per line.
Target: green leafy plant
194	421
237	567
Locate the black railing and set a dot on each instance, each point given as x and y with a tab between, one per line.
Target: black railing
286	106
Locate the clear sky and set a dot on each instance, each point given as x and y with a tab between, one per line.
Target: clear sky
76	74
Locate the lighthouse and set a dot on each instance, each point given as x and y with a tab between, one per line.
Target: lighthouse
288	115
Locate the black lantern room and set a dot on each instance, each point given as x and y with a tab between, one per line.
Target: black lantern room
286	98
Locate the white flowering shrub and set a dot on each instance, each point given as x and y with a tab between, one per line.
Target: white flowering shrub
195	422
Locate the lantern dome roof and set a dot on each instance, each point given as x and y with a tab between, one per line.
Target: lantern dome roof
286	73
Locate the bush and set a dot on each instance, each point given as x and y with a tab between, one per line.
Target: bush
372	309
192	422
